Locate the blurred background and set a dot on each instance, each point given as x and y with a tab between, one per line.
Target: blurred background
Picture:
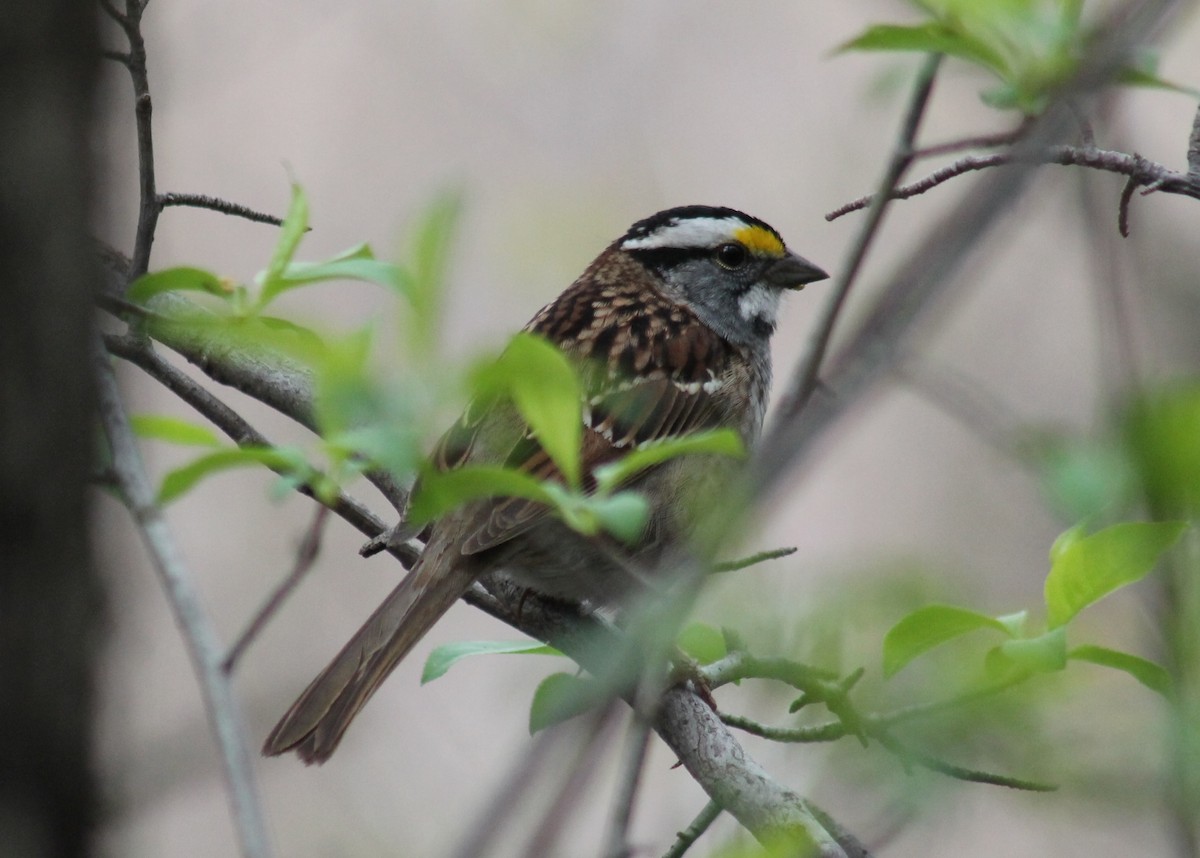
561	124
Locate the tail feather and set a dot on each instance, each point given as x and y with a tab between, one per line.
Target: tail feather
316	722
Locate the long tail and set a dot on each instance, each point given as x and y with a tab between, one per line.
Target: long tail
315	723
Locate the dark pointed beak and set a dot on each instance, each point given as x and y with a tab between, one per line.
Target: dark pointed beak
794	272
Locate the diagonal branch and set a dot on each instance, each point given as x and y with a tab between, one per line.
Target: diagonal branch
902	155
688	724
203	646
265	374
928	273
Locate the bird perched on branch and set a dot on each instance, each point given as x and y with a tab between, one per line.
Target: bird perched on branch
674	320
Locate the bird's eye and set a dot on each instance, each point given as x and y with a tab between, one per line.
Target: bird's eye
732	256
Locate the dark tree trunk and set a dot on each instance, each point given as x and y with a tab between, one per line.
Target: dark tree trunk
50	598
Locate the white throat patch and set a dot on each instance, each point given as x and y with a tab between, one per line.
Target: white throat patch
759	302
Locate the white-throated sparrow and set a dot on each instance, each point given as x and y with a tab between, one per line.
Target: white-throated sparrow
672	323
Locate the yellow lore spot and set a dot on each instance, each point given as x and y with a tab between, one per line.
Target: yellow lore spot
760	241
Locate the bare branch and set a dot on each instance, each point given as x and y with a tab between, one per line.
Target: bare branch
685	722
684	840
982	141
731	778
141	354
306	556
1123	206
203	201
148	204
203	646
1139	170
807	371
870	350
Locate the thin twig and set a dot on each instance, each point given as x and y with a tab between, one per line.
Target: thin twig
753	560
148	205
982	141
741	665
1131	185
1141	171
830	731
684	839
637	741
203	201
902	153
908	755
117	57
201	639
306	556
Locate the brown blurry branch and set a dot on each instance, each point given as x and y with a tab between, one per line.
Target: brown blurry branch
876	343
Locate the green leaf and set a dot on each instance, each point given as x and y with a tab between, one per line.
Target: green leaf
347	394
173	429
716	442
441	491
624	515
548	394
1044	654
928	627
932	38
394	447
1015	623
1163	437
1149	674
560	697
295	224
357	263
702	642
182	479
446	656
1143	71
1084	479
430	257
181	279
1085	569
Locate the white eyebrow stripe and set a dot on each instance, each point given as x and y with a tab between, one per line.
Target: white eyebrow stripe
700	232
